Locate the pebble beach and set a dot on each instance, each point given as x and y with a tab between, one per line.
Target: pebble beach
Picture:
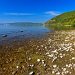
53	54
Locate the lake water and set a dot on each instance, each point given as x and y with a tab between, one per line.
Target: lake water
15	30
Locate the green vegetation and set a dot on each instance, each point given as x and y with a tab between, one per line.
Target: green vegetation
63	21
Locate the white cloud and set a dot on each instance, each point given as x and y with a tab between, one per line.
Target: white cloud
53	13
18	14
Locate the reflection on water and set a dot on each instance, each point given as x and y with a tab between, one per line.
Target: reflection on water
20	29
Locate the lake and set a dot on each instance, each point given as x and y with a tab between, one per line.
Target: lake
41	56
22	30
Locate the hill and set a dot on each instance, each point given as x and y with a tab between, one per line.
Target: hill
25	23
64	20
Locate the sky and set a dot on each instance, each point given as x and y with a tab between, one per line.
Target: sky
33	10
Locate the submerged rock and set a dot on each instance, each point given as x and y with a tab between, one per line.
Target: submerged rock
4	35
21	31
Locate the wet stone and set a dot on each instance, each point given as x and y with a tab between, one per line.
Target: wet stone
21	31
4	35
32	73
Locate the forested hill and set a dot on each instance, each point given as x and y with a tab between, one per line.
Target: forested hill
66	19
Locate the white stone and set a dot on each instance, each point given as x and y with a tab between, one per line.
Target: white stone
58	73
44	65
29	58
67	65
53	72
38	60
42	46
31	73
50	55
54	58
17	67
54	66
47	53
61	56
73	58
64	69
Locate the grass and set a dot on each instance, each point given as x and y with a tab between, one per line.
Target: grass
60	27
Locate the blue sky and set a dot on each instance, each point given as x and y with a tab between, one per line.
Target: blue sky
33	10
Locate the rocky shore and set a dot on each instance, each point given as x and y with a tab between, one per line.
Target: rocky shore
50	55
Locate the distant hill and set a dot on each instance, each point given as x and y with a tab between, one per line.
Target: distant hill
24	23
66	19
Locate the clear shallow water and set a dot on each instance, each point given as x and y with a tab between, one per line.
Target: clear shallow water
13	30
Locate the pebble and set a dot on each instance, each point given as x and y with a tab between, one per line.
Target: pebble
58	73
32	65
4	35
29	58
31	73
73	58
53	72
44	65
38	60
54	66
21	31
17	67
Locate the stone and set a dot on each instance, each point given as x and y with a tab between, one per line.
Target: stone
4	35
38	60
21	31
17	67
29	58
31	73
54	66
